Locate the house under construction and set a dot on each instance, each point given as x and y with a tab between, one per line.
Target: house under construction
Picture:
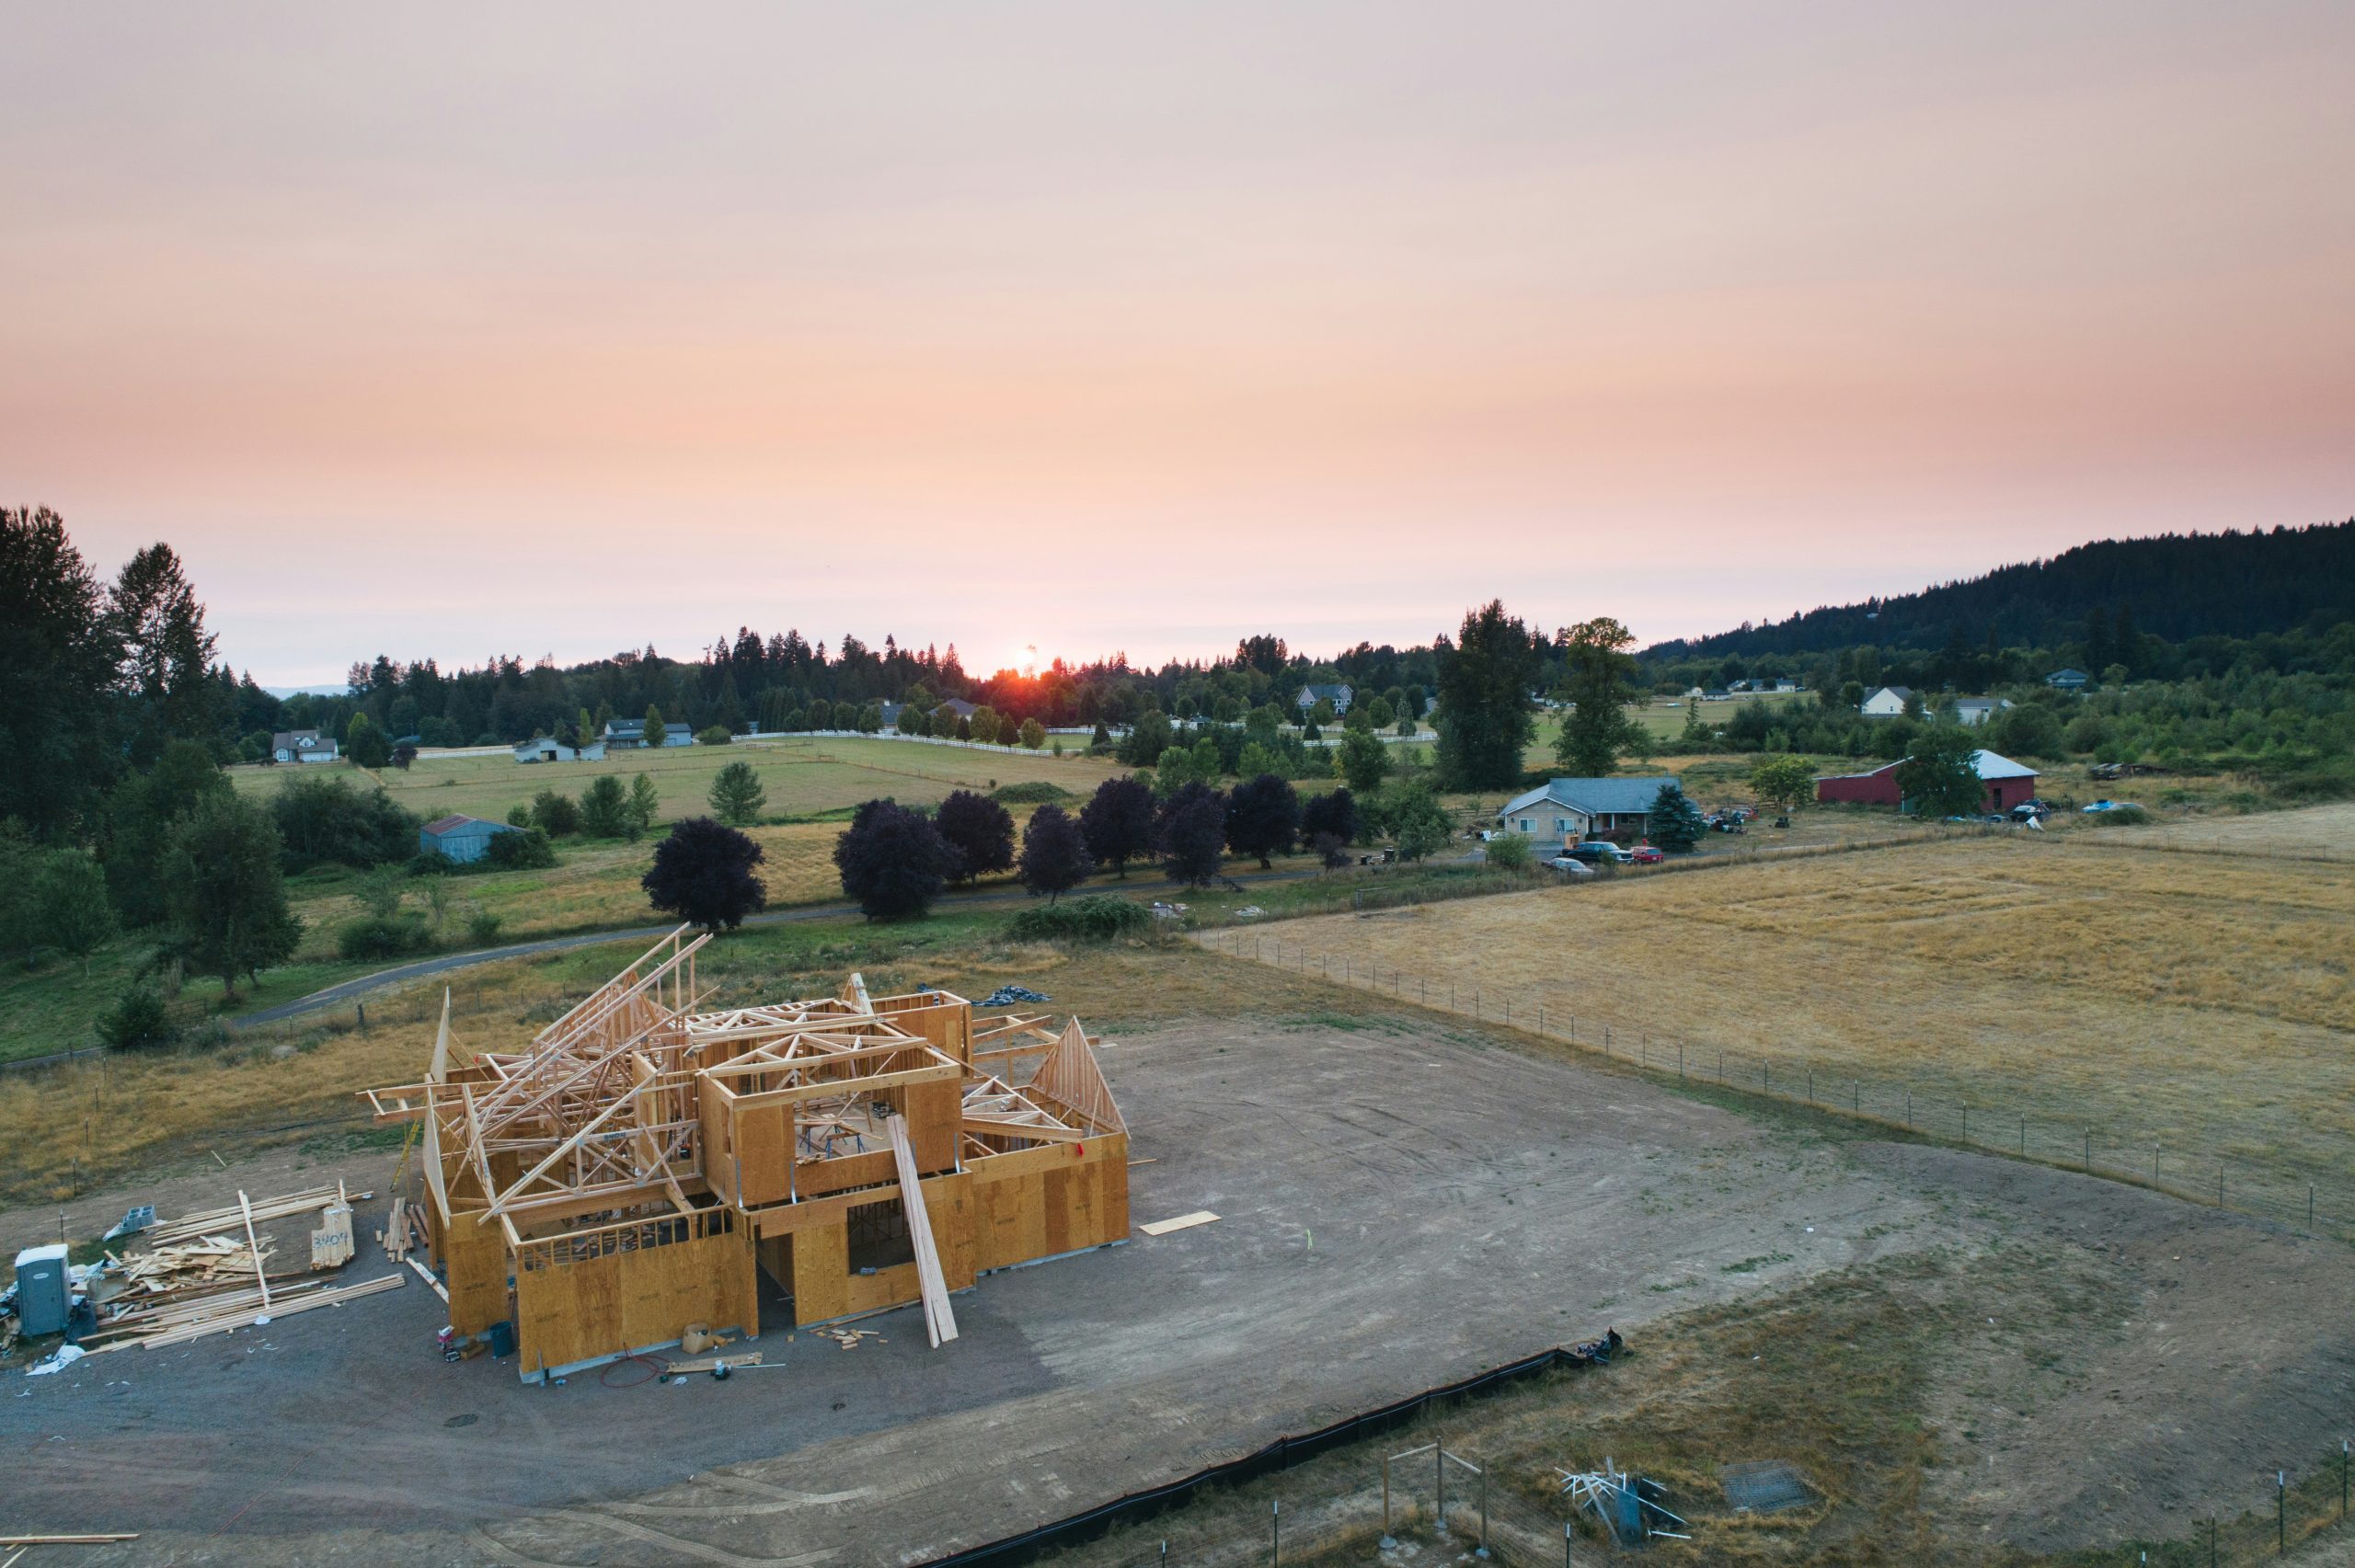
629	1174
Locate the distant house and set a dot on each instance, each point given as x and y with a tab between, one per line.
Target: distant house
1338	695
1887	703
629	734
460	837
1788	686
542	749
302	746
1565	810
1979	710
2008	784
961	707
2067	679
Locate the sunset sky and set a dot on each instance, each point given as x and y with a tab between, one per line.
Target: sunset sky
461	330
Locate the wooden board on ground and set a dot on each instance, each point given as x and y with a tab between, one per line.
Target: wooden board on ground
1183	1222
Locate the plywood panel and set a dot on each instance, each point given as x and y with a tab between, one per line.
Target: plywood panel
763	1155
474	1266
949	1201
821	1271
1009	1223
935	1112
893	1287
844	1172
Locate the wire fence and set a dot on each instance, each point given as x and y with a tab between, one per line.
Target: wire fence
1437	1501
2318	1200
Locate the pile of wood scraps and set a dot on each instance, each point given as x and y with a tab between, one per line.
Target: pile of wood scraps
210	1273
848	1338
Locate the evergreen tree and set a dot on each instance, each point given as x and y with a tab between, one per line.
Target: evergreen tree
653	733
1034	734
1055	853
227	895
704	873
167	654
138	825
58	654
737	797
1600	680
645	802
1675	823
1118	822
1484	717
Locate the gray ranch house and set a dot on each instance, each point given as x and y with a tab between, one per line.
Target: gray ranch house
1566	811
630	733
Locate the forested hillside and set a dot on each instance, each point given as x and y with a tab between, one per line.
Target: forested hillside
2177	587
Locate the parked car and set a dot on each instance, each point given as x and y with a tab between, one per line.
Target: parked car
2028	810
1576	868
1595	852
1646	855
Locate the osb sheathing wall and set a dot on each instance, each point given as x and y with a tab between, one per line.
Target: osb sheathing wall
569	1311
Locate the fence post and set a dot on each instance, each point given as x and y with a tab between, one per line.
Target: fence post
1275	1535
2281	1513
1570	1532
1385	1496
2089	1151
1484	1510
1439	1468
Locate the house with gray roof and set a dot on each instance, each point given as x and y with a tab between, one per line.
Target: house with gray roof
1566	811
460	837
1337	694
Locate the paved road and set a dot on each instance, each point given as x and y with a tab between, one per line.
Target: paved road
360	985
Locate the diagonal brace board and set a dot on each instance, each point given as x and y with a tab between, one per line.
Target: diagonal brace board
939	1318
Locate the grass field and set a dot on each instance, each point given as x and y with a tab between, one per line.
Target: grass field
802	776
65	1126
2196	1003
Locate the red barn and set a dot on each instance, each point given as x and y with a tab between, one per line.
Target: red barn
2008	784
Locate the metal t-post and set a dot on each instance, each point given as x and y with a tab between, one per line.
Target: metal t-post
1386	1496
1275	1535
1484	1510
1439	1468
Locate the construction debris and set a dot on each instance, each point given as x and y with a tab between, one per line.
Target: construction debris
132	1223
848	1338
1626	1504
1183	1222
1762	1486
1008	996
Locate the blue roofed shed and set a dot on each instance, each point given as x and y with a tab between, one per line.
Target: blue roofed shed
461	839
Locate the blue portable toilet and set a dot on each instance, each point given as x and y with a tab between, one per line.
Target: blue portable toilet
41	1292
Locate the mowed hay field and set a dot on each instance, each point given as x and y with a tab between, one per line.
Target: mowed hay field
801	776
2315	832
2191	1000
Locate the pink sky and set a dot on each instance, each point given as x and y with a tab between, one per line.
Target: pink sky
464	330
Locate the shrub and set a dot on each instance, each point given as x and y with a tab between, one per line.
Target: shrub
1511	853
557	816
892	860
2121	817
717	735
321	817
526	850
138	1022
482	927
1097	918
1037	792
434	863
380	937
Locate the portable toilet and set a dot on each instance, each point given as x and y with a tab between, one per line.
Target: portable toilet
42	1289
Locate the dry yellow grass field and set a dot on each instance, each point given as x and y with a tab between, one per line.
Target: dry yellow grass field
2201	1003
2314	832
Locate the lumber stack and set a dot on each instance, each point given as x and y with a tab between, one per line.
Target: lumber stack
191	1226
166	1326
939	1318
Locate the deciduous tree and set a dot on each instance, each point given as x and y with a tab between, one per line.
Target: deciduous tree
1055	853
1417	823
227	896
604	808
705	874
71	895
1118	822
1940	776
1334	813
1782	782
978	831
1193	834
1362	759
1263	818
892	860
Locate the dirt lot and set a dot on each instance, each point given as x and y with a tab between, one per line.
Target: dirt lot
1402	1203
